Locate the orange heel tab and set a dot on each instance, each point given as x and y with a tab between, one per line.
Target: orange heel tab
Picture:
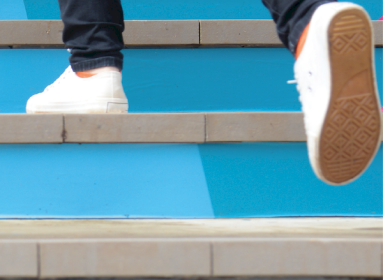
85	74
302	41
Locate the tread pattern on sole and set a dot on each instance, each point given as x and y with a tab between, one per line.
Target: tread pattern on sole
350	136
352	127
349	35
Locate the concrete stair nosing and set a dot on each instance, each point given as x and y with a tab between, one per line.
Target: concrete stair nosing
159	34
275	250
153	128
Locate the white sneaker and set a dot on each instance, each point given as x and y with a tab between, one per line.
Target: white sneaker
70	94
336	80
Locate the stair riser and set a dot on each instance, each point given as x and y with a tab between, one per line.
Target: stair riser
166	9
172	80
176	181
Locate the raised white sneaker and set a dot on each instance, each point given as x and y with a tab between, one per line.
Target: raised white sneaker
335	73
102	93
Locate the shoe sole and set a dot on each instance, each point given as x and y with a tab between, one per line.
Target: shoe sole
95	107
351	131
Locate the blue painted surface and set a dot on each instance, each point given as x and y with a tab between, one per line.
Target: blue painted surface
215	9
194	9
373	7
275	179
169	80
27	72
12	10
42	9
192	80
115	181
175	181
172	80
184	9
166	9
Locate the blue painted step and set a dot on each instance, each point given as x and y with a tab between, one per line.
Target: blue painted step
172	80
176	181
166	9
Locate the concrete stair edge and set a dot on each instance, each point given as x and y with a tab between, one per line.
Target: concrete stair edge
299	247
159	33
153	128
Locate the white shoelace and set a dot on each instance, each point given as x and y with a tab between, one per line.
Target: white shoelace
302	97
68	72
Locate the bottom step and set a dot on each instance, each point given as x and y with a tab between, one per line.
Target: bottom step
342	247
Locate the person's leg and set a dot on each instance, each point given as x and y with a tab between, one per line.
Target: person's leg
335	72
92	83
93	31
291	18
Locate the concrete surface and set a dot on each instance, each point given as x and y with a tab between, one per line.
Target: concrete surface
153	128
167	33
296	247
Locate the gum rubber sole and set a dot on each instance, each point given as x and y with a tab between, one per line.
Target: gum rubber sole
351	130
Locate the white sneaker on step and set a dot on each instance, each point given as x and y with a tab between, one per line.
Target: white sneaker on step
70	94
335	73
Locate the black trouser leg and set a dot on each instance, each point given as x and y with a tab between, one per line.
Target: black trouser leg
93	30
291	17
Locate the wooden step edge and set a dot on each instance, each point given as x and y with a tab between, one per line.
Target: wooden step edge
159	34
153	128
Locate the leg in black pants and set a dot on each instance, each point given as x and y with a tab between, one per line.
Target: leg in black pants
93	30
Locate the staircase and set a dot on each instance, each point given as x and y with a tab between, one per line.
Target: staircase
222	130
213	131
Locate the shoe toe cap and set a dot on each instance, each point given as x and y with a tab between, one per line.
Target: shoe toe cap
32	104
